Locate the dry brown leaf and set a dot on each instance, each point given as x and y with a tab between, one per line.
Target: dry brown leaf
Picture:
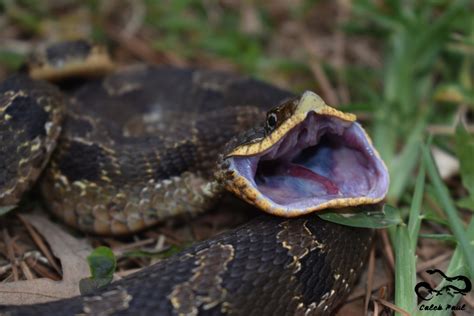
72	253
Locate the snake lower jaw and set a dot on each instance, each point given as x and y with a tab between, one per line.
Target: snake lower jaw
322	162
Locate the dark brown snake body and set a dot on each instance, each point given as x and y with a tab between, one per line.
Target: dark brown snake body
107	179
270	266
176	123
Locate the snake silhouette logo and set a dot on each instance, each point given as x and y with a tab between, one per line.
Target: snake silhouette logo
425	292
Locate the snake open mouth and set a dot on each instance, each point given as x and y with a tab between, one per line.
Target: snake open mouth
322	162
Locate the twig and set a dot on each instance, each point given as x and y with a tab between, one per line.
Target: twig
392	306
171	237
41	270
26	271
433	262
376	309
360	292
460	118
20	252
125	247
469	299
40	243
137	16
4	269
140	48
124	273
315	66
388	251
370	279
11	254
428	279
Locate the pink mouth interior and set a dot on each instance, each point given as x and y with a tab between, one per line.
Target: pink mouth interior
321	159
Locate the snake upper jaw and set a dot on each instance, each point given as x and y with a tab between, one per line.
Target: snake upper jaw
318	158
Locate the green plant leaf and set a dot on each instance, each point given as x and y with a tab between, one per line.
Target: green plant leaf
414	220
102	264
447	204
405	268
366	216
404	239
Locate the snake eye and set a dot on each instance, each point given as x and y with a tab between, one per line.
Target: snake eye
271	121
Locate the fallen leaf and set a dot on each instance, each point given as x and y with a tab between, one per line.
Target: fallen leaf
72	252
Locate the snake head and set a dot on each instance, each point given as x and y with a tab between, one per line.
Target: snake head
306	157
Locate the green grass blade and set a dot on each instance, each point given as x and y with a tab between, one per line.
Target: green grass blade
405	269
442	237
439	28
385	137
415	218
389	21
447	204
402	169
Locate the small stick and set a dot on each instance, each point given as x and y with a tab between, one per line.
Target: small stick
133	245
140	49
11	254
388	251
171	237
370	280
376	309
40	243
20	252
433	262
4	269
469	299
26	271
318	72
392	306
41	270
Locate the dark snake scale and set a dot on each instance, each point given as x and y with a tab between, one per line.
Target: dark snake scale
157	159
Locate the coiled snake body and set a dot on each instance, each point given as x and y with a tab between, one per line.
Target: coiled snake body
142	144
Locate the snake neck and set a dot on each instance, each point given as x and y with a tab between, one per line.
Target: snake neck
213	189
